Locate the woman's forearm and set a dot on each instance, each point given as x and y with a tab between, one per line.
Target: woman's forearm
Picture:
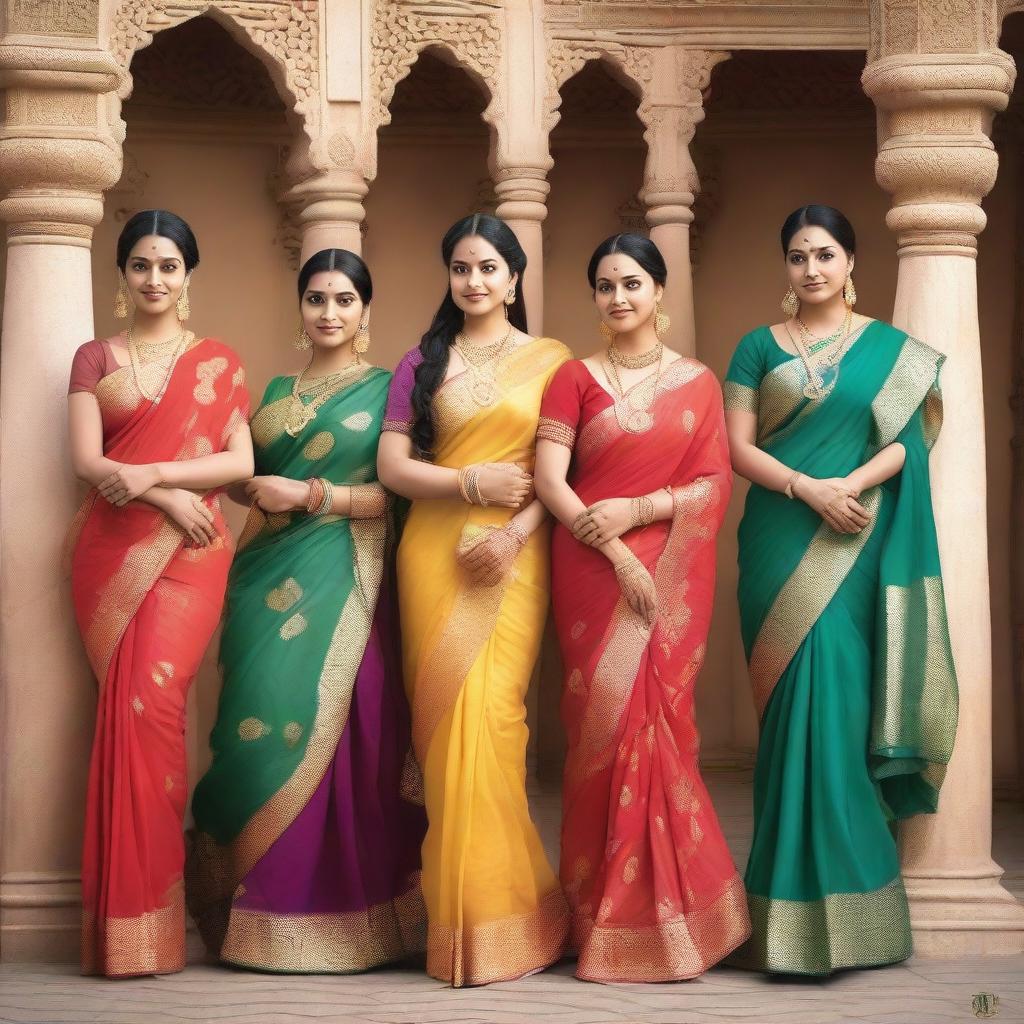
416	480
95	470
759	467
885	465
530	517
206	472
559	498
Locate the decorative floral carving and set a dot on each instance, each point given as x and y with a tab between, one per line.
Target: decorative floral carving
53	17
402	29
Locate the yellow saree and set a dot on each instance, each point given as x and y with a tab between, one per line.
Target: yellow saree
494	906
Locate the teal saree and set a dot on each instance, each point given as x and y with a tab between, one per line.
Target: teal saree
306	855
849	654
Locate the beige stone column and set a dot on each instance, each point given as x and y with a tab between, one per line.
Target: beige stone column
330	211
935	112
57	155
671	108
522	202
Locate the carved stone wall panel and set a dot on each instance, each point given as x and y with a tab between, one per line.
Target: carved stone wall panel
402	29
79	18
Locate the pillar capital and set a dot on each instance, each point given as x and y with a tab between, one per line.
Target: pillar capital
935	156
522	192
59	150
329	210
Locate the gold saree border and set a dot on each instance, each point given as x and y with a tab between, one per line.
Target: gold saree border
911	382
804	597
675	949
912	612
143	564
339	943
215	869
152	943
739	397
453	407
501	950
817	937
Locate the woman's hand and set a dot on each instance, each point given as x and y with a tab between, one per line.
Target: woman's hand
637	588
488	560
834	501
604	521
505	484
275	494
128	482
187	510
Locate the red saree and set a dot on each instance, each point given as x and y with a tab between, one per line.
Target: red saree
147	606
653	890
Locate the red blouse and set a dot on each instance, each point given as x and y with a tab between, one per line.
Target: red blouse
93	361
573	398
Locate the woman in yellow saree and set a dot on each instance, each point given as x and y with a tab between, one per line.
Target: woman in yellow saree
458	439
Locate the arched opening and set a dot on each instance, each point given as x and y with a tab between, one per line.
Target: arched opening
206	135
432	169
599	152
1001	320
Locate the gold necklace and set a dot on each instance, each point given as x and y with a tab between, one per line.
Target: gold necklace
482	362
635	362
156	353
300	415
817	387
637	418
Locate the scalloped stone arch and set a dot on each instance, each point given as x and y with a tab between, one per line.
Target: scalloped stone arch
135	25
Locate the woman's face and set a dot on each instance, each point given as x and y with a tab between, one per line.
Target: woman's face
625	294
478	276
155	273
817	265
331	309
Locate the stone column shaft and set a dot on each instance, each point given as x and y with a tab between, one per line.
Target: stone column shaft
57	155
935	158
522	194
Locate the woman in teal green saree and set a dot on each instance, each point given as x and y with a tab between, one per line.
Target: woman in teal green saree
831	417
306	855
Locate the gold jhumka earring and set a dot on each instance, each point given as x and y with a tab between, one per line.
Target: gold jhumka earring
849	292
510	298
182	307
790	304
122	300
303	342
361	341
662	321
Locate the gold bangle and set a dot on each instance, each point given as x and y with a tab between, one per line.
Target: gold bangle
788	489
641	510
518	531
463	484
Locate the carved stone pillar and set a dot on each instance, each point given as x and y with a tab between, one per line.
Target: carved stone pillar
330	211
935	112
671	108
522	203
57	155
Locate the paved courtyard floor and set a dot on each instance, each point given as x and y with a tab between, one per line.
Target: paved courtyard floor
918	992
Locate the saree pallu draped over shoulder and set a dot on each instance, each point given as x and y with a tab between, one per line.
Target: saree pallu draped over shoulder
495	909
147	606
306	855
653	889
849	654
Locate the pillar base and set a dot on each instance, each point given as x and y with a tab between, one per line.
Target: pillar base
953	915
40	917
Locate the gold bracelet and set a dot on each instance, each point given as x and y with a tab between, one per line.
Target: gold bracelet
788	489
518	531
463	484
316	495
328	502
641	511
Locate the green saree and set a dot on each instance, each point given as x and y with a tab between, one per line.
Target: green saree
849	654
307	851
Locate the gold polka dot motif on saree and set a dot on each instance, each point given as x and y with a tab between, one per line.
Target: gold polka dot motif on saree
251	729
689	420
162	673
318	446
207	373
293	626
630	870
284	595
357	422
137	706
575	681
292	733
578	629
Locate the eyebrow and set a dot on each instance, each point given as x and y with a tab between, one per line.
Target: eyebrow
813	248
159	259
628	277
483	259
319	291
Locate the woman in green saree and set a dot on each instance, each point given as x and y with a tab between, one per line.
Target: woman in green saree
307	852
831	416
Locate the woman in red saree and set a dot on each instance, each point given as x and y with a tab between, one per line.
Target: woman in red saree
634	462
158	425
